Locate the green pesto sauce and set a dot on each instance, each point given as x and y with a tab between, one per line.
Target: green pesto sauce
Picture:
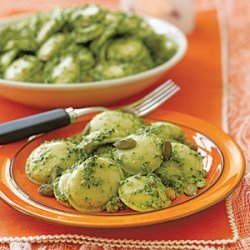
101	176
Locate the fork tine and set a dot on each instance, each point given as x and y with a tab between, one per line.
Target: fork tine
143	110
153	107
157	104
157	95
151	94
153	100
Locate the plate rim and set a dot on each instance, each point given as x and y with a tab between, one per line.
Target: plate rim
14	183
158	216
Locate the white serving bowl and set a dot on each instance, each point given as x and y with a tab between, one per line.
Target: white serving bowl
93	93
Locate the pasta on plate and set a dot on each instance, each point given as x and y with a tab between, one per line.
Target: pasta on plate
118	162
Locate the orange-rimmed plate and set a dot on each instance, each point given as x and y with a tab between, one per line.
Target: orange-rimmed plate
223	160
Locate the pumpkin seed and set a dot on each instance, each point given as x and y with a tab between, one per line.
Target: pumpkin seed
167	150
171	194
190	189
46	190
127	143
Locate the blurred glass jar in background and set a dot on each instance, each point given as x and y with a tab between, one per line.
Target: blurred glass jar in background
178	12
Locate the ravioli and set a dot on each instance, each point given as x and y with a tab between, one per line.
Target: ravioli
184	166
122	123
109	45
143	193
166	130
49	160
51	47
129	49
23	69
118	161
93	141
93	183
59	187
145	157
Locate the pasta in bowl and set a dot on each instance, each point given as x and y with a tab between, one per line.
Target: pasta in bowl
109	167
76	60
82	44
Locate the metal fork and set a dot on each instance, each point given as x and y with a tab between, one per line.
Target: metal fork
47	121
141	107
153	100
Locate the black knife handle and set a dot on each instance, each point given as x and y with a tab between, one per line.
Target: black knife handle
31	125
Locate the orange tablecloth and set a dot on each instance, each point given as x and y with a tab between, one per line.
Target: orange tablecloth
200	77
